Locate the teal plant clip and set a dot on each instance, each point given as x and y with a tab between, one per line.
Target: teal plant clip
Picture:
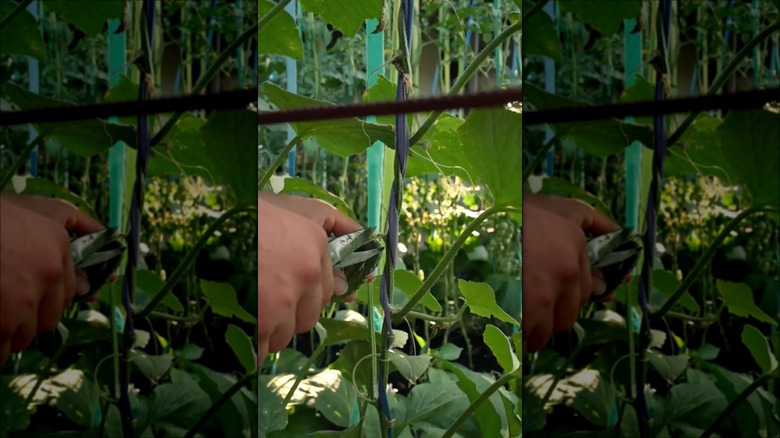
98	254
615	255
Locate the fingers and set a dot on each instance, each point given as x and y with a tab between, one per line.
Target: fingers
282	335
24	334
5	351
60	211
307	312
341	285
566	309
262	352
575	210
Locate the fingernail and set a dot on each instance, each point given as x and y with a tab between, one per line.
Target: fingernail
599	285
82	286
341	283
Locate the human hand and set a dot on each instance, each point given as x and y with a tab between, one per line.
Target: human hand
37	278
295	275
557	277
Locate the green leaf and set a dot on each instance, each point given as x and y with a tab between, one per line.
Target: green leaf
441	152
564	188
706	352
491	140
428	399
669	367
223	301
499	344
336	404
230	139
482	301
684	398
90	16
699	152
191	352
46	187
749	416
411	367
13	414
448	351
22	35
540	36
301	186
242	346
182	151
604	15
344	137
345	15
353	367
489	415
83	137
343	331
153	367
273	415
601	138
595	397
232	416
384	90
666	284
80	402
280	35
125	90
409	283
151	284
751	151
169	398
757	343
739	301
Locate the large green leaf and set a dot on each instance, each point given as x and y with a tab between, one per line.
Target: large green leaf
223	301
749	416
699	152
411	367
13	414
684	398
83	137
153	367
428	399
345	15
22	35
336	402
669	367
79	401
749	145
441	152
182	151
601	138
491	414
280	35
242	346
540	36
499	344
482	301
169	399
595	398
90	15
273	415
299	186
757	343
344	137
230	139
234	414
492	142
409	283
739	301
604	15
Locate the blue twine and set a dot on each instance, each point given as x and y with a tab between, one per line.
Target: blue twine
651	216
144	148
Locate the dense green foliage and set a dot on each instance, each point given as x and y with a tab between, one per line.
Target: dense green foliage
197	226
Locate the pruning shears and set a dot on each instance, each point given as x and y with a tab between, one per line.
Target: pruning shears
615	254
344	249
357	254
98	254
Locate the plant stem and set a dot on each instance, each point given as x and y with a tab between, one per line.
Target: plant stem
209	75
190	258
23	156
278	162
541	155
476	404
221	401
701	264
531	12
448	257
723	77
16	11
169	317
464	78
314	355
437	319
271	14
735	403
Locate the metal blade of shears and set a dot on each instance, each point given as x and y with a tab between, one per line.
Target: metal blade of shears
602	246
344	246
84	247
357	257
